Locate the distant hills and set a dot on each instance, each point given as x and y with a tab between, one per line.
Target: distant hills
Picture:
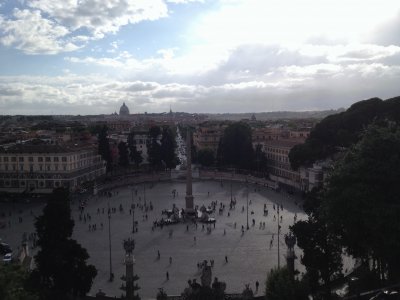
276	115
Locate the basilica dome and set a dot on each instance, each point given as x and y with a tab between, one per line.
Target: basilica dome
124	110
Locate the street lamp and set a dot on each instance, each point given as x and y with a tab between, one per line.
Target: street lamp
247	207
133	214
279	229
144	193
109	241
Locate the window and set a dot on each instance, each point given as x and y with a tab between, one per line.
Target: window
55	158
30	159
21	167
41	167
56	167
14	167
65	167
21	159
48	167
64	159
13	159
5	159
6	167
40	159
48	159
30	168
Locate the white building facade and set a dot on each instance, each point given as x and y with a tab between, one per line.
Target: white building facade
39	168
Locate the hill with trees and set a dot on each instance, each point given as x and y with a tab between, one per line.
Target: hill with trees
342	130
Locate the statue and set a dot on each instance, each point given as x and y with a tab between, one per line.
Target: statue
206	275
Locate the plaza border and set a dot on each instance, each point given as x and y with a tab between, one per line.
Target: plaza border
173	175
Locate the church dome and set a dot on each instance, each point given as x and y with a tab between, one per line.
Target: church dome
124	110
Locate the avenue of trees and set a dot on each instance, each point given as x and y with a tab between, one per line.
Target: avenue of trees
161	148
356	213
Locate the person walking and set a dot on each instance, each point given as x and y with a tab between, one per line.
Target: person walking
170	260
167	275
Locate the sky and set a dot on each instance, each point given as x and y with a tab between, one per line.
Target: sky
199	56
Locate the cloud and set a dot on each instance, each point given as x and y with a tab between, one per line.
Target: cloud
30	32
101	17
51	27
292	87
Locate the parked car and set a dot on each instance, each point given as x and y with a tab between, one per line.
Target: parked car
5	248
8	258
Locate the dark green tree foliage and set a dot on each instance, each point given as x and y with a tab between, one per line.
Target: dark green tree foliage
280	286
235	147
343	130
13	283
134	154
321	247
123	154
168	147
362	199
104	147
154	147
61	268
260	159
205	157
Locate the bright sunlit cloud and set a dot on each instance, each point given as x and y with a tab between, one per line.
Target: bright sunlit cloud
200	55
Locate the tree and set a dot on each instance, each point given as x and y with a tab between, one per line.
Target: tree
14	283
168	147
205	157
134	154
123	154
280	286
260	159
61	268
104	147
362	199
235	147
321	247
342	130
154	147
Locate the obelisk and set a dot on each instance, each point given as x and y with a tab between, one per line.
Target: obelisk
189	196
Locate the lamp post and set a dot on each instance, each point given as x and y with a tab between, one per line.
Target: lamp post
144	193
133	214
279	229
109	241
247	208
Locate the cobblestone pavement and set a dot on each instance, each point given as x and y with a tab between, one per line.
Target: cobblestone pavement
250	255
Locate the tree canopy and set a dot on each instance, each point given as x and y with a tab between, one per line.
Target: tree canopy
168	147
154	147
104	147
362	199
235	147
123	154
342	130
61	269
206	157
134	154
280	286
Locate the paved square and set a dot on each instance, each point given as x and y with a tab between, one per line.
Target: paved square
249	255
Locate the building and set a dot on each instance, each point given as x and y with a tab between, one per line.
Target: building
37	167
124	110
277	152
207	136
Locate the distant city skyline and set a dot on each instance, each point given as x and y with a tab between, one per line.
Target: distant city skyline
199	56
